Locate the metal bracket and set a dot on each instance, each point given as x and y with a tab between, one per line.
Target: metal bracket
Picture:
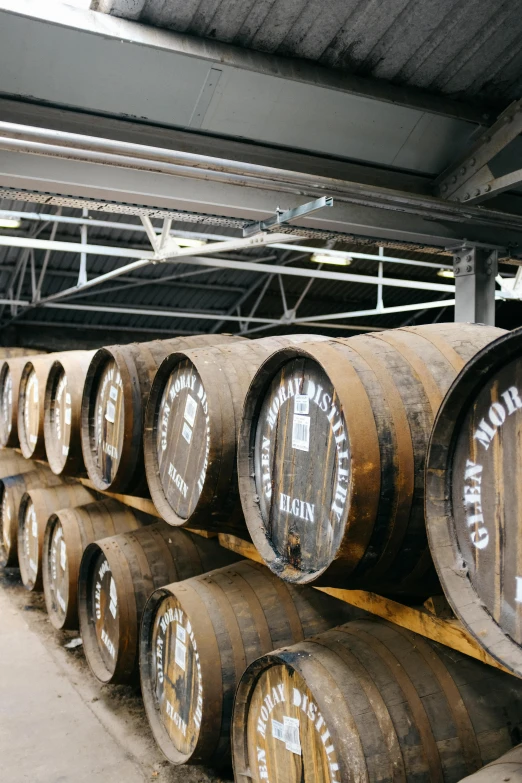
285	216
469	179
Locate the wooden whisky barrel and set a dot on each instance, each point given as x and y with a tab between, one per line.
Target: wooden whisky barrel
12	489
31	404
198	636
12	463
116	389
13	353
507	768
62	412
68	532
474	498
372	702
191	429
10	376
117	576
36	507
332	450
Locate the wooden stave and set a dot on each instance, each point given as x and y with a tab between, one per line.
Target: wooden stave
442	690
507	768
356	353
18	484
46	501
137	364
15	367
81	526
300	609
74	364
16	353
174	555
221	369
455	580
41	365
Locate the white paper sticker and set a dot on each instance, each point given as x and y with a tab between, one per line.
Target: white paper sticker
110	413
65	451
32	439
302	404
180	654
301	433
68	413
291	734
191	408
63	554
278	731
186	432
181	633
113	393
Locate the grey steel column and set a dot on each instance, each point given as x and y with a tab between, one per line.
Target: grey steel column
475	271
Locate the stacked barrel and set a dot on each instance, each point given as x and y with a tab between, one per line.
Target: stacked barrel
315	450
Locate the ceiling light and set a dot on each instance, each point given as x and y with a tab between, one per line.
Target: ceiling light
322	258
182	242
446	273
10	222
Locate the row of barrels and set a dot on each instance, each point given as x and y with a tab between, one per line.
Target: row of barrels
316	449
238	665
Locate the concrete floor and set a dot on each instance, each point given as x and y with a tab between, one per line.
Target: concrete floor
57	723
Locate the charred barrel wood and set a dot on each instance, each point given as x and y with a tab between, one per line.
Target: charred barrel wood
12	489
117	576
116	389
10	376
474	498
332	452
68	532
62	412
370	701
191	429
507	768
197	638
31	395
36	507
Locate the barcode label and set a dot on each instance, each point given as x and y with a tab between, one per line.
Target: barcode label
63	555
68	412
113	393
291	734
181	633
180	654
110	413
278	731
191	408
186	432
302	404
301	433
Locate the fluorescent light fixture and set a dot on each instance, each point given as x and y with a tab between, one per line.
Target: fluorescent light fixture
323	258
184	242
446	273
10	222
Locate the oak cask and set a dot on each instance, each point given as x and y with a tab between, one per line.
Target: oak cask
197	638
116	389
372	702
117	576
191	431
507	768
68	532
62	412
10	376
30	414
36	507
332	450
474	498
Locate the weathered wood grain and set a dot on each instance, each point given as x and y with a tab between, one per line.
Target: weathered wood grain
10	376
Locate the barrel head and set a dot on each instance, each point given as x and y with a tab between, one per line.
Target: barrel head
58	418
106	422
29	410
6	403
56	578
29	542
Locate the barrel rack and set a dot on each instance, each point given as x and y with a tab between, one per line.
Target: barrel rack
434	619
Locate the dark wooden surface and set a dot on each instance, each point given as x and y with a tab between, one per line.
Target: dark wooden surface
116	390
332	451
474	499
197	638
10	376
12	489
191	430
68	532
117	576
62	412
370	701
36	507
